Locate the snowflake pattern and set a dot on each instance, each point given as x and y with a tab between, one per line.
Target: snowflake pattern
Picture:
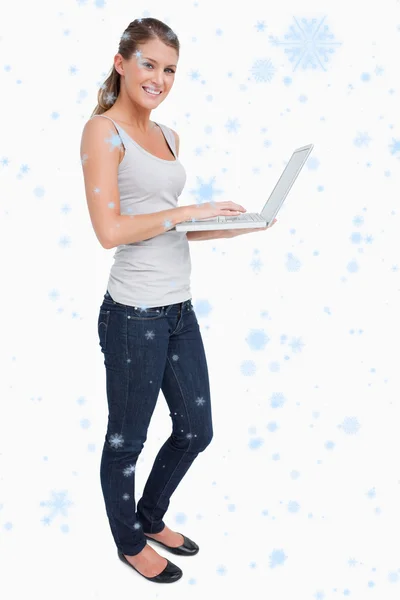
58	505
395	147
129	470
263	70
308	43
116	440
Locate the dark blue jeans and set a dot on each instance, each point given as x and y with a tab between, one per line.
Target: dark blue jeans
145	351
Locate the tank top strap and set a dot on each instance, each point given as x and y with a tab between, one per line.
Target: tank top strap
118	128
165	130
170	137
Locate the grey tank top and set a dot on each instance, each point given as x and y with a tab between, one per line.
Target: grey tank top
153	272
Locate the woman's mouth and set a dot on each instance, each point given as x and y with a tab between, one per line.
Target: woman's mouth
150	92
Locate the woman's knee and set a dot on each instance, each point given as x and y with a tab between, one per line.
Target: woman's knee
193	442
198	443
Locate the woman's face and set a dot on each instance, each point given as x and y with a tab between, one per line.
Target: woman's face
153	67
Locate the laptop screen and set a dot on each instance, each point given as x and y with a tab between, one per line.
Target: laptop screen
286	181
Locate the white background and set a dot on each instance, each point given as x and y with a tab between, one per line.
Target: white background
298	494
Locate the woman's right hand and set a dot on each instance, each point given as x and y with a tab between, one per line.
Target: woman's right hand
209	210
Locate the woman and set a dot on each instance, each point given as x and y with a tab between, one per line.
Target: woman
148	330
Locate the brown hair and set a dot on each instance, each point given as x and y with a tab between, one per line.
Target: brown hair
138	32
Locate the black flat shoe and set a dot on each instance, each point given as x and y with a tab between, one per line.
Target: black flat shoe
188	548
170	574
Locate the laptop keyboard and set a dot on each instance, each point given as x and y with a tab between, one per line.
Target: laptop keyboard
242	217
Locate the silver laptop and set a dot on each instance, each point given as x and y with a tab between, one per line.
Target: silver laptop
271	207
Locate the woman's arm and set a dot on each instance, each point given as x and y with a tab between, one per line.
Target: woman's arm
205	235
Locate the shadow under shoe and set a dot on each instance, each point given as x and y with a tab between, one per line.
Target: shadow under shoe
168	575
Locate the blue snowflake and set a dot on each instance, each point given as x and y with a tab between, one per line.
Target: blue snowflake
260	25
255	443
293	506
256	264
362	139
257	339
350	425
58	505
263	70
221	570
293	264
371	493
395	147
352	266
358	220
277	557
232	125
205	192
309	43
277	400
296	344
248	367
194	75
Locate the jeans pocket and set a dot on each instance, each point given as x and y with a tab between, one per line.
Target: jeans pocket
102	326
147	313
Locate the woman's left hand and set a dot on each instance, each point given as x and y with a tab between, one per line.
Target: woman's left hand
230	233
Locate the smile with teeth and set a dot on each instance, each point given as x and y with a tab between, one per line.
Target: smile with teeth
151	91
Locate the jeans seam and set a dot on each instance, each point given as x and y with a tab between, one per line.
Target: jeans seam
180	319
128	374
111	515
185	452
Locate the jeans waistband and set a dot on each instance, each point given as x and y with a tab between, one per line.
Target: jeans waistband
160	309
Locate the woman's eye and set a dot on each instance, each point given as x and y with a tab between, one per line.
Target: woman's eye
150	65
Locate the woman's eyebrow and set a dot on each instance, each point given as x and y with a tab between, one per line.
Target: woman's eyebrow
154	61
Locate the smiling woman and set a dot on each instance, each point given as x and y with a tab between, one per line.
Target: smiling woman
133	179
138	32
